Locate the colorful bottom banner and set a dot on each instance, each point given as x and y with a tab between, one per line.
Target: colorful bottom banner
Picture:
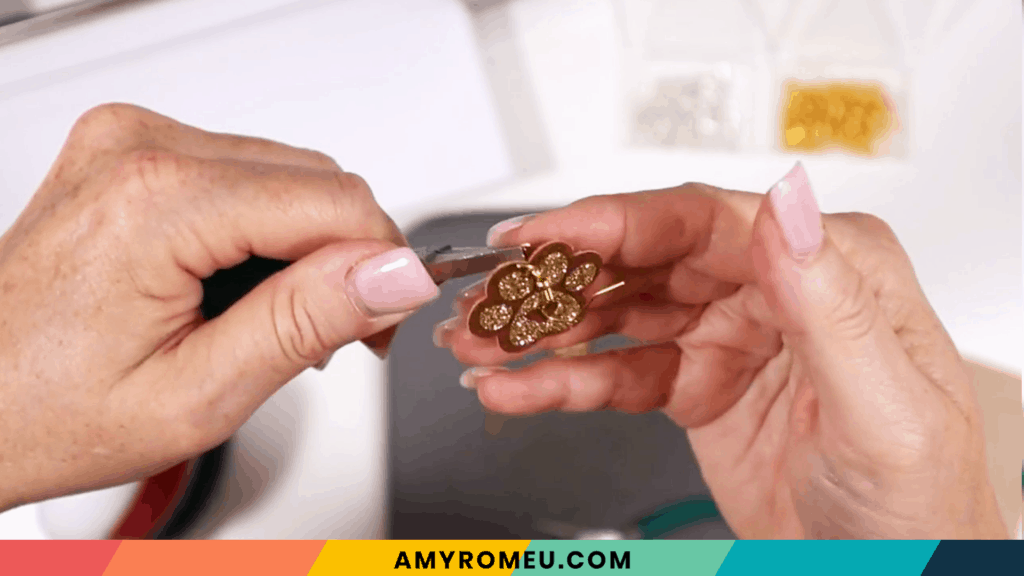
690	558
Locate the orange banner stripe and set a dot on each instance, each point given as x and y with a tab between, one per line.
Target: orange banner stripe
215	558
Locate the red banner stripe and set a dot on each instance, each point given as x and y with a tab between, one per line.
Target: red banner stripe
56	557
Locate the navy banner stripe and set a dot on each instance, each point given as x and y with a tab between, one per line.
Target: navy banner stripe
969	557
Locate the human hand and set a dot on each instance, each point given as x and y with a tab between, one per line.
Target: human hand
820	393
108	372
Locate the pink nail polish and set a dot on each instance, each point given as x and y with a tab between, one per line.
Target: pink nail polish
442	331
504	227
796	210
395	281
470	378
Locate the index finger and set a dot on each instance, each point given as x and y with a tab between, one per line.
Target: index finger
215	214
705	228
240	195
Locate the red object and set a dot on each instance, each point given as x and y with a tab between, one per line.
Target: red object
154	505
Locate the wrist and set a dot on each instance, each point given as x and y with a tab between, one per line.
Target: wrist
8	500
12	493
984	521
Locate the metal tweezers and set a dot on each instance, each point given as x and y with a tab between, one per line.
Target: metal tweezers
445	263
225	287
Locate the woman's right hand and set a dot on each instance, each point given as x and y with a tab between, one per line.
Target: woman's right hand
108	370
819	390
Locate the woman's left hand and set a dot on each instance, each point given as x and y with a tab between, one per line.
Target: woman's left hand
820	393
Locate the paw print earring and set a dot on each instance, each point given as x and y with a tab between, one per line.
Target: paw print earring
528	301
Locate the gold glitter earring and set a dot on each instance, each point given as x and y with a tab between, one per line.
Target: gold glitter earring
540	297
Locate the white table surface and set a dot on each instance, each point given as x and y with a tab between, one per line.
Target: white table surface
955	204
395	90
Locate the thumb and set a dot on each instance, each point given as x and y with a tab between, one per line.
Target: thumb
828	314
336	295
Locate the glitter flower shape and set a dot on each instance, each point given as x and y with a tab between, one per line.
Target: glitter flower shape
527	301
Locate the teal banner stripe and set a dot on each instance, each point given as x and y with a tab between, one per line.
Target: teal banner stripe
775	557
835	558
627	557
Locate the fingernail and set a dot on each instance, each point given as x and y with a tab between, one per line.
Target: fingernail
471	377
442	330
394	281
504	227
797	213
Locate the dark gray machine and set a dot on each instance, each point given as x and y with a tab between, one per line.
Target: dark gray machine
456	472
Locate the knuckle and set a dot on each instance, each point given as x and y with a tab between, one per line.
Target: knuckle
108	123
607	212
709	191
151	170
133	201
868	227
871	243
873	226
696	188
852	311
300	331
603	209
325	161
353	196
199	423
353	186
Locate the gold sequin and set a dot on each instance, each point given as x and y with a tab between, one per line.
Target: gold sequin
553	268
515	286
494	318
849	116
524	332
579	278
531	303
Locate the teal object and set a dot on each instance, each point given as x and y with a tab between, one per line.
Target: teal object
676	516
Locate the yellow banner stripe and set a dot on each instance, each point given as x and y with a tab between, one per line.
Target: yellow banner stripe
372	557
